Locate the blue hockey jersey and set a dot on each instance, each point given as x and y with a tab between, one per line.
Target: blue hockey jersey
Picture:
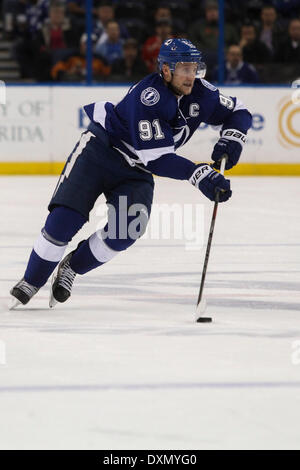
150	123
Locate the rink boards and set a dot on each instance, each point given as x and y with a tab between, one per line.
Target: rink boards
41	124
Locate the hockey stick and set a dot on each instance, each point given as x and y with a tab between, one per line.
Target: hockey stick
201	304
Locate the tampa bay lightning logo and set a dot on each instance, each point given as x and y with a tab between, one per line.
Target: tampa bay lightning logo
150	96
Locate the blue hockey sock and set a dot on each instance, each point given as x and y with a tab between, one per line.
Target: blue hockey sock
92	253
61	225
83	259
38	270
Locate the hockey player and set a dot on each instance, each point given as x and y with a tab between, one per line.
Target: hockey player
124	145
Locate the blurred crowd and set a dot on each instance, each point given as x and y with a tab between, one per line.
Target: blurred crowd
262	38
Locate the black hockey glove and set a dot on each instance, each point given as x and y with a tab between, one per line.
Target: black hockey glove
231	143
210	182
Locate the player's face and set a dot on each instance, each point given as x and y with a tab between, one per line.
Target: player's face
183	78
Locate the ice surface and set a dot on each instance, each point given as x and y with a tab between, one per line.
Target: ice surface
123	363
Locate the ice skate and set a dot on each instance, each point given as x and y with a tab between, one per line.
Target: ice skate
62	282
21	293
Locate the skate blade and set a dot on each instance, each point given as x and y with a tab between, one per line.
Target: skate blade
14	303
52	301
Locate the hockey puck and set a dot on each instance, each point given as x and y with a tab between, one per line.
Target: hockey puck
204	320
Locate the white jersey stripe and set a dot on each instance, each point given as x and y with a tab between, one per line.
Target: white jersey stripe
148	155
239	105
100	112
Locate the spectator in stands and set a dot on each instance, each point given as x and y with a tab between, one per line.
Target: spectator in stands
236	71
36	12
53	41
150	49
76	13
112	48
254	51
204	33
163	12
31	15
235	11
288	51
270	31
76	7
130	67
23	47
74	68
106	13
287	8
56	35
